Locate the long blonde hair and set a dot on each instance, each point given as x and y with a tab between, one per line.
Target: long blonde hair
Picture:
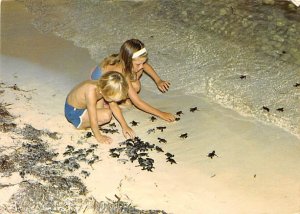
113	84
110	60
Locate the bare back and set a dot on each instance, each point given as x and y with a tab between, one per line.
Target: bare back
83	93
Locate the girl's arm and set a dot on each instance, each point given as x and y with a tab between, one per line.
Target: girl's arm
91	102
142	105
127	131
162	85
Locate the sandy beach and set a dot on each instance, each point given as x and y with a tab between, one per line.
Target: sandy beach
255	170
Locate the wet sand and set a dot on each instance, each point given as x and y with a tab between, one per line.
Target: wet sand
256	170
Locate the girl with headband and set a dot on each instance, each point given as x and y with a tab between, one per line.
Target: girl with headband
132	62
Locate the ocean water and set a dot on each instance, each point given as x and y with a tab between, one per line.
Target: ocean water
201	47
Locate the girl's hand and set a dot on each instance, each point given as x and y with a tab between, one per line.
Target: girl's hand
104	139
128	132
167	116
163	86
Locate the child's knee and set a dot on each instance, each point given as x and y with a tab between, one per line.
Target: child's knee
107	115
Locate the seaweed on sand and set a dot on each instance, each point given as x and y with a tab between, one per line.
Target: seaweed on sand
47	186
6	118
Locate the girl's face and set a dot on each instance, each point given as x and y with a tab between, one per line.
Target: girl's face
138	64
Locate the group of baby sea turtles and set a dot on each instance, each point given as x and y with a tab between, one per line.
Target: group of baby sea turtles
80	155
137	150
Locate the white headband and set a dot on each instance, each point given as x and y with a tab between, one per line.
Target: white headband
139	53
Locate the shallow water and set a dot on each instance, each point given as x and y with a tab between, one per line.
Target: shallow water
199	46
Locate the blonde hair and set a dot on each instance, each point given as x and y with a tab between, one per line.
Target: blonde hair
113	84
110	60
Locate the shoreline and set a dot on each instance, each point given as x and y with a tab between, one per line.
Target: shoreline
250	174
216	62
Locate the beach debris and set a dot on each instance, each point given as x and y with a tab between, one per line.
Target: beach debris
179	113
48	186
212	154
134	123
296	85
214	175
16	88
6	119
161	128
183	136
162	140
265	108
194	109
150	131
152	118
88	134
280	109
243	77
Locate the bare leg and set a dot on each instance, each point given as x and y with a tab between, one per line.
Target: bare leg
104	116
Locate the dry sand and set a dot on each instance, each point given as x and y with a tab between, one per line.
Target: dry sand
257	170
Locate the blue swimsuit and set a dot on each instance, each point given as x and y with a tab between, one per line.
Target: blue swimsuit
74	115
96	73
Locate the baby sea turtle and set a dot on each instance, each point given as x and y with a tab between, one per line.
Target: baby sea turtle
212	154
88	134
194	109
179	113
169	155
85	173
70	148
94	145
265	108
114	155
112	125
150	131
152	118
171	160
243	77
185	135
177	118
161	140
280	109
297	85
161	128
158	149
111	131
134	123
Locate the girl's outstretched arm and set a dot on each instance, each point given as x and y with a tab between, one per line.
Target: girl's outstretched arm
127	131
162	85
142	105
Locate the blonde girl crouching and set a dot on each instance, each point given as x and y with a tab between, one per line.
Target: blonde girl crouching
81	104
